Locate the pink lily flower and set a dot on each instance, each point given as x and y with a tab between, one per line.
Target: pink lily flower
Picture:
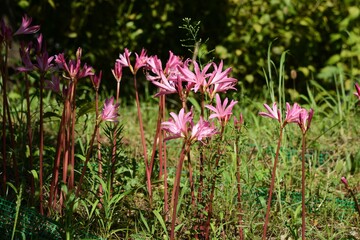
140	60
198	79
166	87
25	57
273	112
44	62
171	68
178	125
357	87
345	182
222	112
124	59
96	80
292	113
117	71
154	64
110	111
218	76
39	44
220	87
25	27
203	129
305	118
73	68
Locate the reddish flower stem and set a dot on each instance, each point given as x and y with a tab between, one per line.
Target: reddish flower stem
271	189
29	132
175	193
56	168
72	139
303	212
148	173
238	179
41	145
98	142
4	88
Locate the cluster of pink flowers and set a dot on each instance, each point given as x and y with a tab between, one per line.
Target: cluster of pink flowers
177	76
182	126
44	63
294	114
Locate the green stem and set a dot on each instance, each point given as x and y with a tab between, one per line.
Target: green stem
238	179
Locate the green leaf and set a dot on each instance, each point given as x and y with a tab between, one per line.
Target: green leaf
354	12
161	220
51	3
333	59
86	108
24	4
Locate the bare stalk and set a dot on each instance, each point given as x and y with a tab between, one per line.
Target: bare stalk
175	193
303	212
271	189
238	179
41	144
143	142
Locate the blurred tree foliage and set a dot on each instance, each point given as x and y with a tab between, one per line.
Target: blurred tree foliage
323	37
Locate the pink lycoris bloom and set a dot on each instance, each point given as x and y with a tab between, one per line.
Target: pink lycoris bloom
25	27
305	118
96	80
44	62
171	68
124	59
196	79
73	68
292	113
203	129
218	76
154	64
357	87
141	60
178	126
117	71
25	57
220	87
182	126
273	112
222	111
345	182
165	86
39	44
110	111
